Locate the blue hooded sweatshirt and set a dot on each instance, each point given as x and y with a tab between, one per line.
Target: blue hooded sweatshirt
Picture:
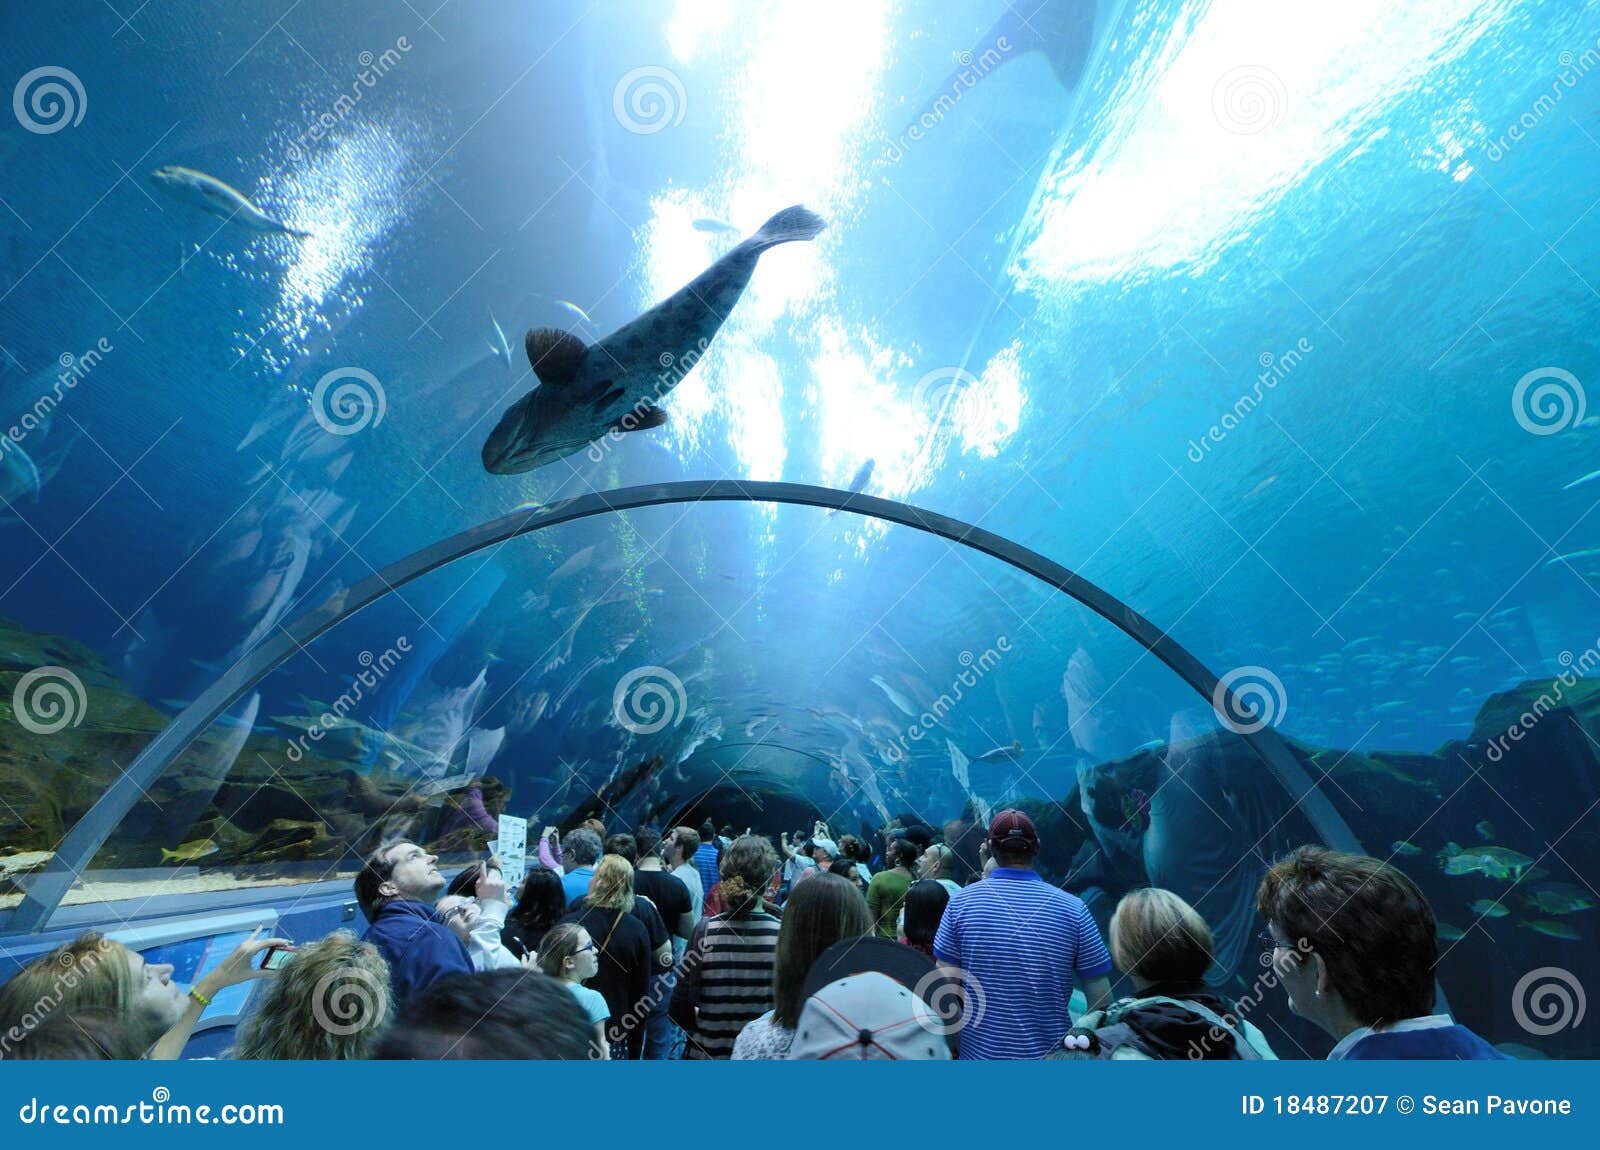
419	947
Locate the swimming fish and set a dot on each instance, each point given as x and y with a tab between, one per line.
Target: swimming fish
706	224
1485	830
1062	30
859	480
1551	928
1405	849
210	194
1586	553
499	345
617	385
901	703
1581	480
1012	750
1448	933
1488	908
574	310
189	851
1560	899
1492	862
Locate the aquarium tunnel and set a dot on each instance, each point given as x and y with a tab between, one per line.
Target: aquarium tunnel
1168	420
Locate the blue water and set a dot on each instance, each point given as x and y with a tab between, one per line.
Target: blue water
1034	318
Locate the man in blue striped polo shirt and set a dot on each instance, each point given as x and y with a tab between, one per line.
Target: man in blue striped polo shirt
1017	942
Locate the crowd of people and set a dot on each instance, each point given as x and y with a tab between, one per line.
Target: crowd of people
705	945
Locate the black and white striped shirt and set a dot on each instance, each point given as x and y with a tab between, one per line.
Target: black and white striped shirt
726	975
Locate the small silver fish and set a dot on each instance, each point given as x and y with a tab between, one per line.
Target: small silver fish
210	194
499	344
1586	553
1012	750
574	310
706	224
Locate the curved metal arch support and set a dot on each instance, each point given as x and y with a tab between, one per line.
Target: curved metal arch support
78	847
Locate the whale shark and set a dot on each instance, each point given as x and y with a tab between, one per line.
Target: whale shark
617	384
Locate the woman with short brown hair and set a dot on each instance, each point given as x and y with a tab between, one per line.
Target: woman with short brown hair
1355	943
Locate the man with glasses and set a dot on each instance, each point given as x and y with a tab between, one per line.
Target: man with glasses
397	889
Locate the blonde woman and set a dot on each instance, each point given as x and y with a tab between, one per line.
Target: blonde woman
569	955
94	972
329	1002
1165	948
628	950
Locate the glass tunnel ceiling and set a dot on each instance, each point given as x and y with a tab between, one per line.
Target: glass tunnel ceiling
1234	327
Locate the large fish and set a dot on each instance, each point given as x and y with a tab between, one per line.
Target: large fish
617	385
210	194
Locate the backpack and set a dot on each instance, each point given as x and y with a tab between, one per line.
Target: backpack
1115	1039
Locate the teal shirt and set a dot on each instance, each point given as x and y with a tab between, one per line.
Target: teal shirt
591	1000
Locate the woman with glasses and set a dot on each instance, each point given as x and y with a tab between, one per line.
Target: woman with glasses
1354	942
1165	948
569	955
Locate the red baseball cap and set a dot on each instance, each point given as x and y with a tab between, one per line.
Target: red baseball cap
1012	829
